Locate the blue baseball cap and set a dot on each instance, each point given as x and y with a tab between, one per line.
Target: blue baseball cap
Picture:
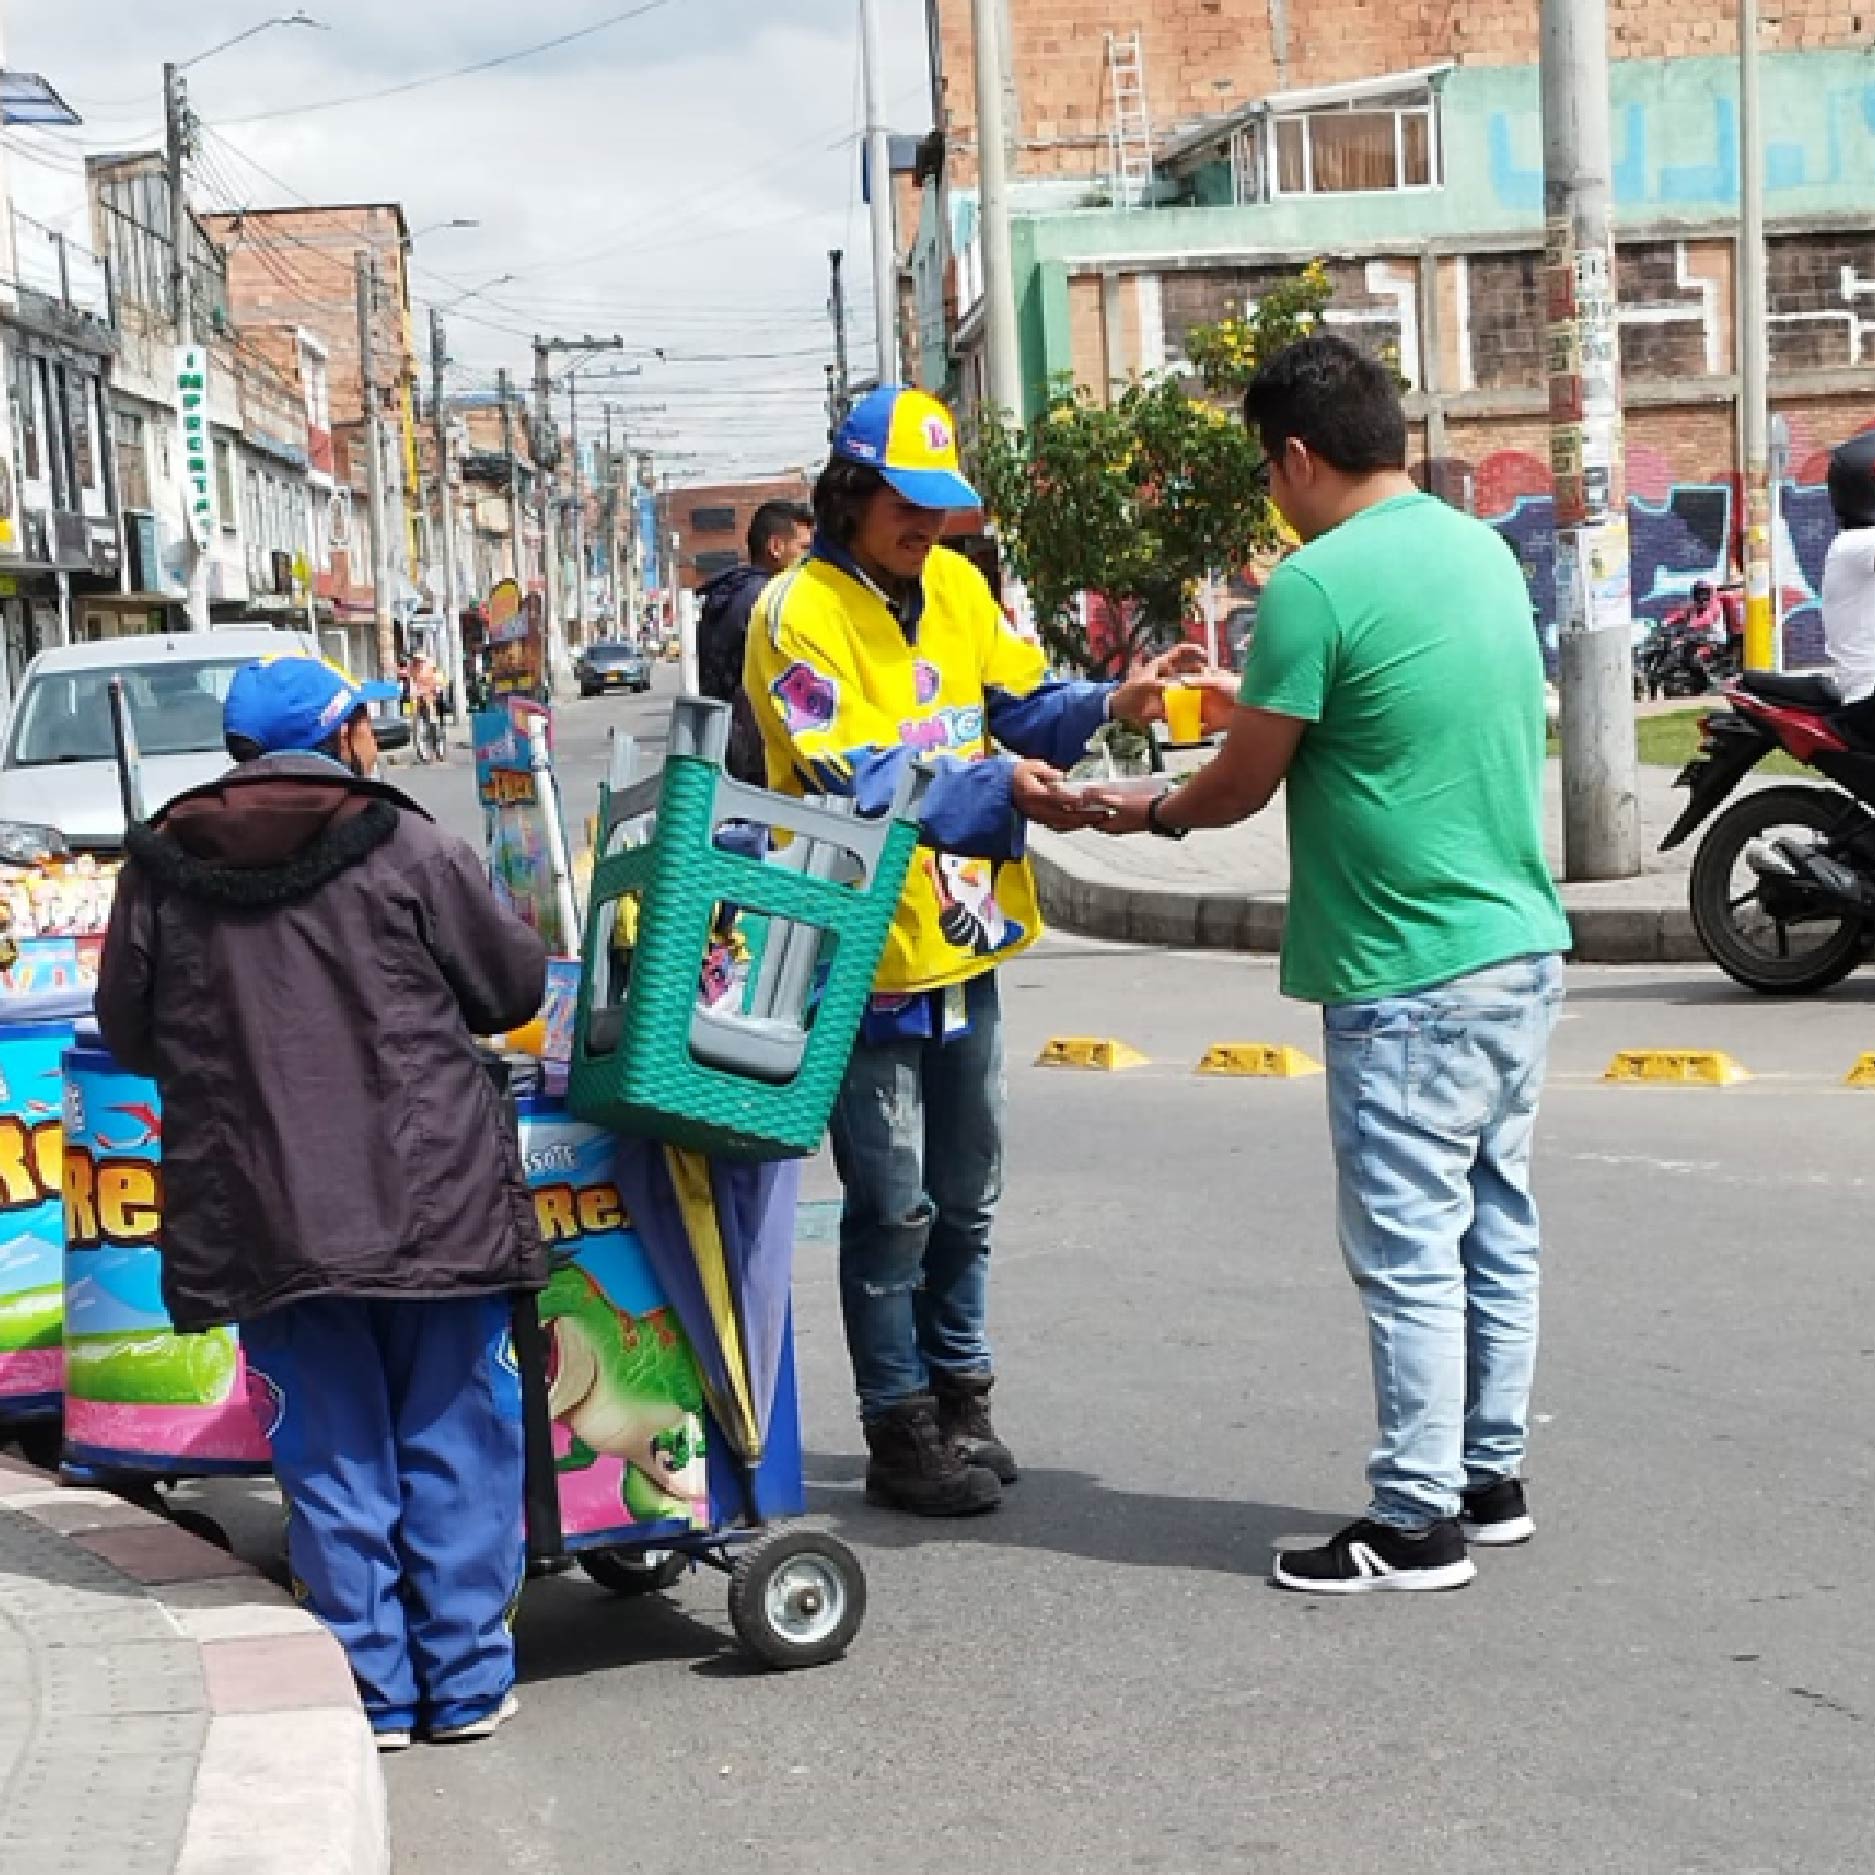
911	439
290	703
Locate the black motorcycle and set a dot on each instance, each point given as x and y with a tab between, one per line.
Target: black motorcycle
1678	659
1783	884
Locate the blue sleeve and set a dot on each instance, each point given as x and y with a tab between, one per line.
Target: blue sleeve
1051	723
968	808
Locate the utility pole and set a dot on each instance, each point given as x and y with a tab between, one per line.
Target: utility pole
579	513
999	284
879	170
182	299
1601	814
1754	353
517	561
547	450
546	479
367	279
446	504
840	387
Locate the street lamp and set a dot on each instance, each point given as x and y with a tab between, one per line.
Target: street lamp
299	18
476	292
437	227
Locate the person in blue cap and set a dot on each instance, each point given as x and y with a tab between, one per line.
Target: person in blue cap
880	649
302	960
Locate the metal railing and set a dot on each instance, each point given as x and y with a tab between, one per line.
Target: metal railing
53	264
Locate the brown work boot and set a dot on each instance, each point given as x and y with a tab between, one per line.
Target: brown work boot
963	1406
914	1468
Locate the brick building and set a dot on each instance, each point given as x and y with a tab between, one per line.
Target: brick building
1200	57
295	270
1401	143
711	523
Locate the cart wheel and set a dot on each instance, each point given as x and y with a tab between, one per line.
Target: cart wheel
797	1598
634	1572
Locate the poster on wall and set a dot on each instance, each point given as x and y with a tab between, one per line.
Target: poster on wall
520	821
516	642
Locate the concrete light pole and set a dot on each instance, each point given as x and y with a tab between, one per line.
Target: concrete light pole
446	506
1001	334
1601	809
1754	353
879	170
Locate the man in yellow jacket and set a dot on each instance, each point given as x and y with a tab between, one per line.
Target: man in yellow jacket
882	648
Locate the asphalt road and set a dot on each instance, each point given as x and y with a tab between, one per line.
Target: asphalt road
1678	1675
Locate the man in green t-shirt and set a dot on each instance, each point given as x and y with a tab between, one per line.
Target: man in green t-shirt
1396	685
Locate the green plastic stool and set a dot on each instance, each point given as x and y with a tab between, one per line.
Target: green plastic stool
756	1081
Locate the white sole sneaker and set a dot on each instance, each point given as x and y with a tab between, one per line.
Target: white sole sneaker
485	1727
1394	1581
1500	1535
391	1741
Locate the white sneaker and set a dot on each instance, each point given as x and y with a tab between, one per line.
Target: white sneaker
392	1738
484	1727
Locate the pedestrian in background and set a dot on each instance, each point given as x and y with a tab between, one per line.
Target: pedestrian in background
301	960
880	649
780	534
1396	685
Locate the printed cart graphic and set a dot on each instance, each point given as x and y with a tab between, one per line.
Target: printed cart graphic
138	1396
622	1384
32	1221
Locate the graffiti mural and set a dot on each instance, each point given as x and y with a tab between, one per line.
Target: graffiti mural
1690	532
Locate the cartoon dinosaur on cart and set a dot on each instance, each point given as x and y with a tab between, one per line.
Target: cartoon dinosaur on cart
626	1386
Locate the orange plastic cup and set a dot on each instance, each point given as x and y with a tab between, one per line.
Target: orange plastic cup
1184	713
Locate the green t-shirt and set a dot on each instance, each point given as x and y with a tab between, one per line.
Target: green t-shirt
1403	638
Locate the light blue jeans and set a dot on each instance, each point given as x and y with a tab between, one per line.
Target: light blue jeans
1432	1102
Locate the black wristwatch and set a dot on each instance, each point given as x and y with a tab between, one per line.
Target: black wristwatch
1155	825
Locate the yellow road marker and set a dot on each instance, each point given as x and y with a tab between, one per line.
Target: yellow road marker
1863	1073
1676	1067
1267	1060
1099	1054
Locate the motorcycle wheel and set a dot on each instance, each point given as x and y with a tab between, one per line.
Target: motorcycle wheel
1750	940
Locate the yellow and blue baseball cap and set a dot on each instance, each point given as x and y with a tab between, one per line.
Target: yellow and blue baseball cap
292	703
911	439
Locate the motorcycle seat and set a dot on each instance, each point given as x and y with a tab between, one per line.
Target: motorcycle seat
1810	692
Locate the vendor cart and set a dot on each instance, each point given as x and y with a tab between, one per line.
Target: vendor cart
633	1472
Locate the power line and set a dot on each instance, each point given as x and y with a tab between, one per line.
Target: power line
461	71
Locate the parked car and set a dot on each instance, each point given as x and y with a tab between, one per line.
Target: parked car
612	665
59	771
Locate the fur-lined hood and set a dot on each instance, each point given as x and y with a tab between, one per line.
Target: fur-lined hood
268	833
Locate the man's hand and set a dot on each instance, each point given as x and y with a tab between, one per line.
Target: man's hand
1219	691
1039	794
1121	813
1141	698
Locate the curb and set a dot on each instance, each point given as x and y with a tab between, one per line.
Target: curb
1191	918
172	1694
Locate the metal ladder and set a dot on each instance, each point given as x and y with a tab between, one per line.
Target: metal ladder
1129	140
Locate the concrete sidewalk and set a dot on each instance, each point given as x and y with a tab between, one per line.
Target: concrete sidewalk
163	1709
1229	890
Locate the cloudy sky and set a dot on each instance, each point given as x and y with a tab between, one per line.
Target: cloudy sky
676	177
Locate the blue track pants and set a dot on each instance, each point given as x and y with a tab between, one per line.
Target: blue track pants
398	1446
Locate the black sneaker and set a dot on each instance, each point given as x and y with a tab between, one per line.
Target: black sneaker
1368	1556
915	1468
1495	1514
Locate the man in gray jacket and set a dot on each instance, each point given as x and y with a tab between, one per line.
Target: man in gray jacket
301	959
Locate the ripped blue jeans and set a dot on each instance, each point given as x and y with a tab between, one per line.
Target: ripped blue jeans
1432	1102
918	1140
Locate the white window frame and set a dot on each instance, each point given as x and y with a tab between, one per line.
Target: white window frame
1412	101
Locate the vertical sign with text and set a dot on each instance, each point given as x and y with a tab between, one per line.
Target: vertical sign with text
198	462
